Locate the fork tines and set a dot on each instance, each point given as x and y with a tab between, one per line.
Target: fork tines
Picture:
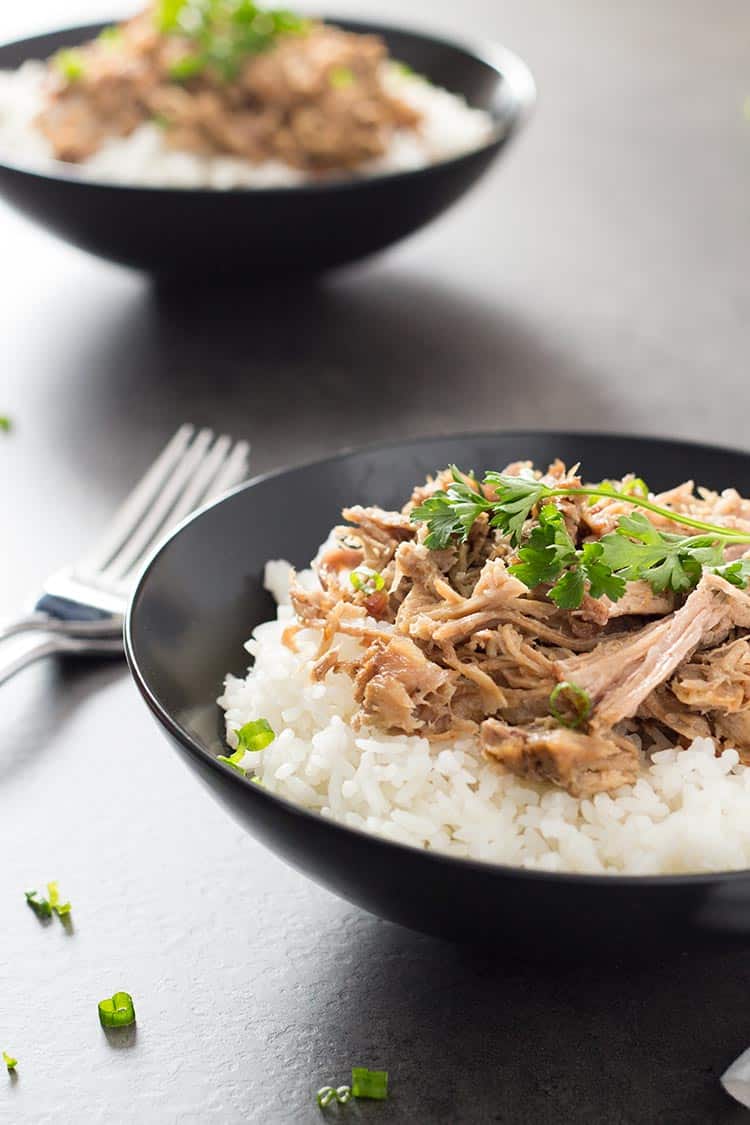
193	469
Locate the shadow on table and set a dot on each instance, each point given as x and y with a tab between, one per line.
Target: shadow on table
45	696
315	367
471	1036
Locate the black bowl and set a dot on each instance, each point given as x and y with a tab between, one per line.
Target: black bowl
201	595
257	232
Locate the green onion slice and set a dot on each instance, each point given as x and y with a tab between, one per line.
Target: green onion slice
340	77
256	735
9	1061
578	705
5	423
366	580
41	907
60	908
326	1095
70	63
369	1083
117	1010
637	487
187	67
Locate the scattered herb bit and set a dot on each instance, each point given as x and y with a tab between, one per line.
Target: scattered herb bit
369	1083
60	908
71	64
9	1061
256	735
401	68
117	1010
187	67
326	1095
636	550
5	423
577	704
224	32
234	759
251	738
41	906
341	77
257	781
111	36
162	121
366	580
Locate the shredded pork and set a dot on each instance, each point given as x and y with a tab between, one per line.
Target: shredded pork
314	99
452	644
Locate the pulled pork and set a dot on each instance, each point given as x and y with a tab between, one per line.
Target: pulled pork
453	645
315	98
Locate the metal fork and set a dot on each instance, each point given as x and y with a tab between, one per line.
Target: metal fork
82	606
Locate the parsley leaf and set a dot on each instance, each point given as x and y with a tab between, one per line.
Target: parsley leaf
637	549
547	551
452	513
516	497
600	577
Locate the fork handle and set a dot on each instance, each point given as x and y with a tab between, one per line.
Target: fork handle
30	655
27	623
50	645
40	622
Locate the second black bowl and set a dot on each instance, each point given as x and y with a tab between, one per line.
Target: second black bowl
292	230
202	594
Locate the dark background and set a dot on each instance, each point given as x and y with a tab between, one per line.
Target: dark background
598	278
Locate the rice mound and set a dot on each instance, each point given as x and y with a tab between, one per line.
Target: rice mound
688	812
449	128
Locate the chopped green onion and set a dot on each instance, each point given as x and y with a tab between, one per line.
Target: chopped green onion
60	908
326	1095
256	735
233	760
369	1083
70	63
257	781
41	907
366	580
5	423
401	68
341	77
111	35
9	1061
162	121
637	487
187	67
578	699
117	1010
251	738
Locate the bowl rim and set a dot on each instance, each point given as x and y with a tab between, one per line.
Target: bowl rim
488	868
505	62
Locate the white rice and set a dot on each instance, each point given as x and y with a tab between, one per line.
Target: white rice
449	128
688	812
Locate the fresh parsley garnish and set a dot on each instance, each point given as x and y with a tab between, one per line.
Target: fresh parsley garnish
547	555
452	513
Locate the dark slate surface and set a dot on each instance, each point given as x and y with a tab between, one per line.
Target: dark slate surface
598	278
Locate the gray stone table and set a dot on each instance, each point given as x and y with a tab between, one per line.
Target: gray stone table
597	278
